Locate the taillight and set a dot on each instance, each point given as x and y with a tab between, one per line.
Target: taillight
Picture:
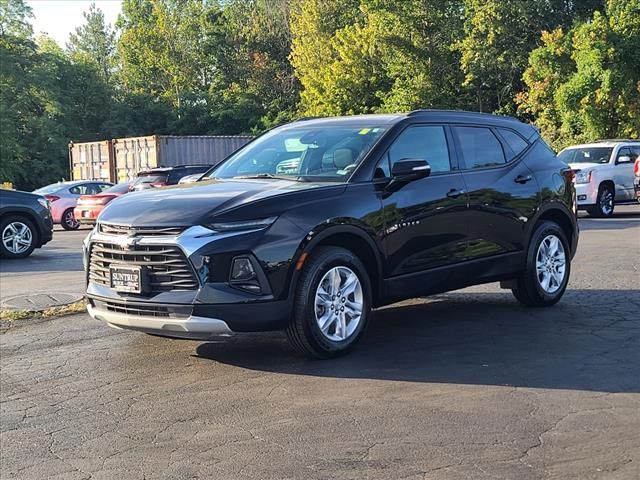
636	167
52	198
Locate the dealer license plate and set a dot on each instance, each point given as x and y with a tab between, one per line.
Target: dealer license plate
126	279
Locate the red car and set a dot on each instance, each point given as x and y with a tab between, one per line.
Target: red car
89	206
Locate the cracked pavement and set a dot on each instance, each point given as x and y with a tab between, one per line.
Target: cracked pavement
465	385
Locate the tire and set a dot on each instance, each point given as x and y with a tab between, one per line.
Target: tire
605	203
26	233
314	303
68	221
530	289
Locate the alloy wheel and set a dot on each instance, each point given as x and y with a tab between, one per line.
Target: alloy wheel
606	202
339	302
70	220
17	237
550	264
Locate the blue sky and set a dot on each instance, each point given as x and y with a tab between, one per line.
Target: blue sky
59	18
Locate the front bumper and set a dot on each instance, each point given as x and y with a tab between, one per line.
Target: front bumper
586	194
189	327
213	308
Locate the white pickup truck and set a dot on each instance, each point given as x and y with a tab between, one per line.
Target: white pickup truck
604	173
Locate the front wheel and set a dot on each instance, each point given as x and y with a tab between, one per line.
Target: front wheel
18	237
332	304
604	203
545	278
69	221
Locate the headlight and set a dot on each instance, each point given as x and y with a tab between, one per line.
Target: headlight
243	225
583	177
44	202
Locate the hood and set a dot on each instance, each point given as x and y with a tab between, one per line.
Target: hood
583	166
194	203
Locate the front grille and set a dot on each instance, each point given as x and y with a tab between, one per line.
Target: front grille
134	231
166	266
142	311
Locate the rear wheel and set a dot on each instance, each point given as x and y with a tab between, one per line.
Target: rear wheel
545	278
332	304
18	237
604	202
69	221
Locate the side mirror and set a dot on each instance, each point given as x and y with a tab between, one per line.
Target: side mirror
405	171
624	159
410	169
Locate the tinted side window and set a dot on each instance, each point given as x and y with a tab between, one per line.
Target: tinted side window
422	142
625	152
515	142
480	147
79	190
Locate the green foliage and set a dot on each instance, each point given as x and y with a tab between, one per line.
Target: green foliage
94	41
242	66
585	84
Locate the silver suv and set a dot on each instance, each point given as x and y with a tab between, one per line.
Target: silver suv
604	173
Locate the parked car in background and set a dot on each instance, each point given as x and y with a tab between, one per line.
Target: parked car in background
63	197
89	206
603	173
380	208
161	177
636	178
25	223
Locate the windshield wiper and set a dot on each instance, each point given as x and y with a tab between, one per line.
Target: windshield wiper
268	175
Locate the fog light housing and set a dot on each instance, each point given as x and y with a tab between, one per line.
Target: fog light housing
243	275
582	197
242	270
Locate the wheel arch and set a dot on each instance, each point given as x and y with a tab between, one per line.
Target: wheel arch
561	216
354	239
609	183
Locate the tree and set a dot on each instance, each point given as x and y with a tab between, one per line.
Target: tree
498	36
95	40
314	24
160	49
585	84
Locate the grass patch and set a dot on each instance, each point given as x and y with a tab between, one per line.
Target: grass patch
13	315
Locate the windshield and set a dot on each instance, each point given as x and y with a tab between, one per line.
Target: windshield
150	178
326	153
54	187
586	155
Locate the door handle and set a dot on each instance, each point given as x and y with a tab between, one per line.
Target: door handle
453	193
523	178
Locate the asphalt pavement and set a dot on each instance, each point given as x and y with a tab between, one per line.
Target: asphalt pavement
464	385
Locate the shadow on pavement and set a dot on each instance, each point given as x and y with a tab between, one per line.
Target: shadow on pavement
475	338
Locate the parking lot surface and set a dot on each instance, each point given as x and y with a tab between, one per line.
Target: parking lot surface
467	384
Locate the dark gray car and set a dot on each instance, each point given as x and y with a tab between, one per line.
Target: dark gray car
25	223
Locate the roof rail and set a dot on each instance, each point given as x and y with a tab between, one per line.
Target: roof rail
464	112
302	119
617	140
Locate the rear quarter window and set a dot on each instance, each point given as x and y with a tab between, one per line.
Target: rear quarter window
515	142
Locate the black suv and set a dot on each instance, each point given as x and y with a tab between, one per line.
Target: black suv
368	211
25	223
163	176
